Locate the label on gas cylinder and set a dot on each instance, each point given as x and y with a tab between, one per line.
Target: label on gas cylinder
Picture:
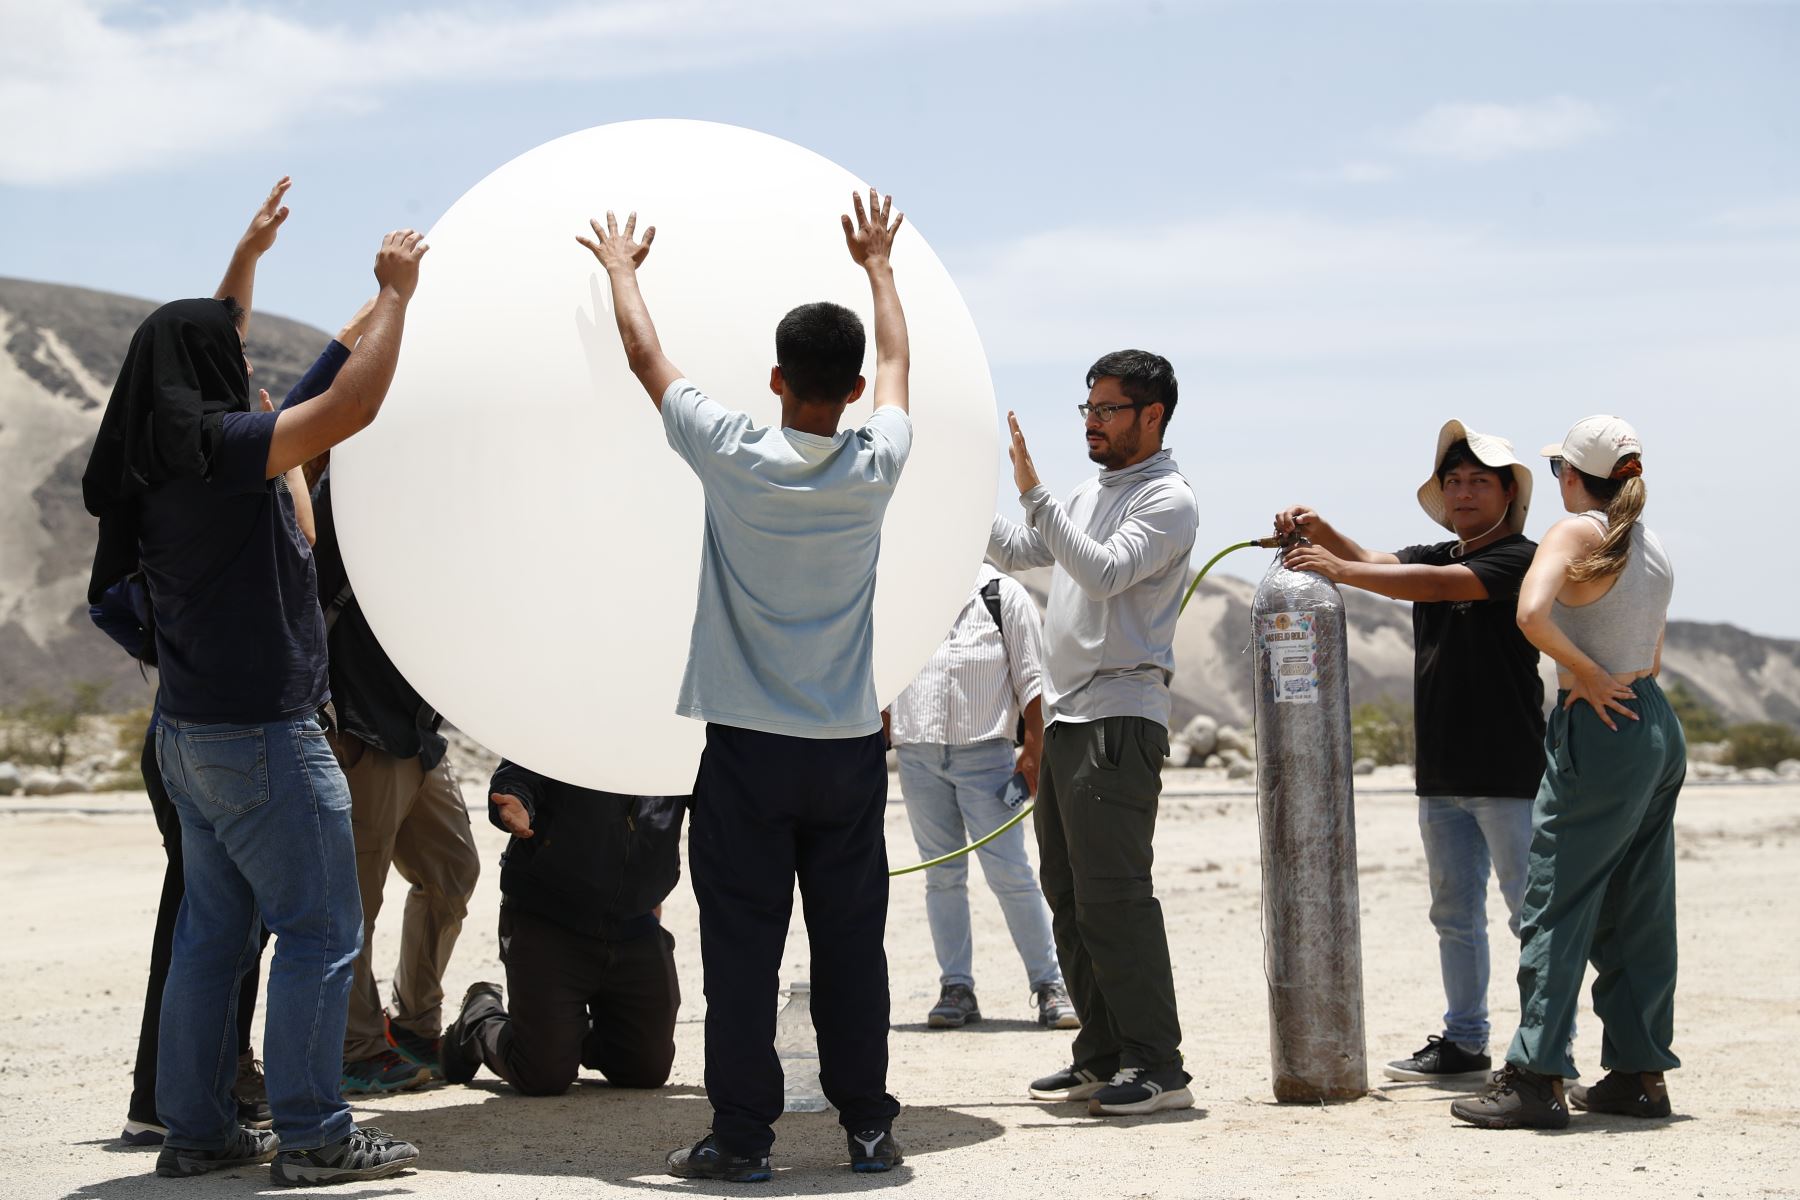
1288	640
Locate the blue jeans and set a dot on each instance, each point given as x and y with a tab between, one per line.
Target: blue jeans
953	797
1463	836
265	838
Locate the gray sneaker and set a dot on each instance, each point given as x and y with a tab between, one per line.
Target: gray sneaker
955	1008
1054	1009
367	1153
246	1148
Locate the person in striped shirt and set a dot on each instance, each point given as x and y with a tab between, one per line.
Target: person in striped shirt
953	728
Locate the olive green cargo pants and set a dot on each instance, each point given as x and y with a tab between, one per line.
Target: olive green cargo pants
1601	888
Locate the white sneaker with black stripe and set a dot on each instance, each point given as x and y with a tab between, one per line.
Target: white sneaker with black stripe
1134	1090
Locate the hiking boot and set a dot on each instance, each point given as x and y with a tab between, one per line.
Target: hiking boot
705	1159
386	1072
1440	1059
367	1153
1136	1090
955	1008
1625	1094
1070	1083
427	1052
246	1148
1516	1099
250	1093
874	1150
458	1053
142	1133
1054	1009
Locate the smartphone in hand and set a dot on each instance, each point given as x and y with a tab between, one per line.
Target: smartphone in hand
1015	792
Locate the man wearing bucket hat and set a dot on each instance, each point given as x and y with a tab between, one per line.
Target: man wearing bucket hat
1478	707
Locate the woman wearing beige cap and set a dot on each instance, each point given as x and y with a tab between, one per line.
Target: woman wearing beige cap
1601	883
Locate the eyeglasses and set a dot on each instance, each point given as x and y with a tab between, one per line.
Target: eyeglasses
1556	467
1105	412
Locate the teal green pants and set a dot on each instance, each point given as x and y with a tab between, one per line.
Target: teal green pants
1601	888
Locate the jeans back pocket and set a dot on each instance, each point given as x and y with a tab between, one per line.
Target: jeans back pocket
228	770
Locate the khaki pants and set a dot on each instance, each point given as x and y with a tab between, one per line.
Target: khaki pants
413	820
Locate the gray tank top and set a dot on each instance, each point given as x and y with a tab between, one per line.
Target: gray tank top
1620	629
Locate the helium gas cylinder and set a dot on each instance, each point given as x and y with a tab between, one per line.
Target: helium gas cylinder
1312	937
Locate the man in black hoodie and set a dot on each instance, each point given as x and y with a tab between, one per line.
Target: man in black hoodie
589	965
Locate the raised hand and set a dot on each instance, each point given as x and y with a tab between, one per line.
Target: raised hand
871	238
614	250
267	222
397	262
1024	473
513	815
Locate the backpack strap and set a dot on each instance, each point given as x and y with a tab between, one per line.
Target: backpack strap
336	608
990	596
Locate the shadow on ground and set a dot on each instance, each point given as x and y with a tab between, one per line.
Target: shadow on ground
613	1135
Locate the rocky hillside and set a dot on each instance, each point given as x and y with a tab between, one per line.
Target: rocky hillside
62	348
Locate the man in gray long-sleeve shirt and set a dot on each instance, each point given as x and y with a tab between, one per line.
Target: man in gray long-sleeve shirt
1120	547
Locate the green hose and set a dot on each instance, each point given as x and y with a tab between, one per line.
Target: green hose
1026	811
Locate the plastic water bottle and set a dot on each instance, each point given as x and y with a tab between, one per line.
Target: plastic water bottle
798	1048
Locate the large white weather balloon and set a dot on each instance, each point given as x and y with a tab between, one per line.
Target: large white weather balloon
521	537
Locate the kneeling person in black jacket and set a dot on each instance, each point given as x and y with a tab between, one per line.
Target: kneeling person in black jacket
589	965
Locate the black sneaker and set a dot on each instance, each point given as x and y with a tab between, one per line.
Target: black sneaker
246	1148
1634	1094
367	1153
1135	1090
955	1008
1440	1059
1516	1099
1070	1083
459	1055
427	1052
706	1160
1054	1009
874	1150
250	1093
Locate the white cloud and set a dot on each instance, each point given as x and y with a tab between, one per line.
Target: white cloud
1275	291
1758	218
85	96
1485	132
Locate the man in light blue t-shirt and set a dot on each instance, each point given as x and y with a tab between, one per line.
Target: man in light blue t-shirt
794	777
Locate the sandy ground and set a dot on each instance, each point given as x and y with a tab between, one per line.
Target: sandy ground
79	879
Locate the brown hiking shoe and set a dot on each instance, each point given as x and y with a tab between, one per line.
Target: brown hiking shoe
1516	1099
1634	1094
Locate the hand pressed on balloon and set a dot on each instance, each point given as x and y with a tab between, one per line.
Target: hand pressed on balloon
1024	473
513	814
617	251
1316	559
871	238
397	262
267	222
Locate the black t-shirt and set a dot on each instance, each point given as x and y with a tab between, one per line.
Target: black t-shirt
239	635
372	699
1478	702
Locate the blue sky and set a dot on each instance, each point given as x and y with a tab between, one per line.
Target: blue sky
1344	223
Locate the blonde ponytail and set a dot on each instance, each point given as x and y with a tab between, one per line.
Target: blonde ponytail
1624	505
